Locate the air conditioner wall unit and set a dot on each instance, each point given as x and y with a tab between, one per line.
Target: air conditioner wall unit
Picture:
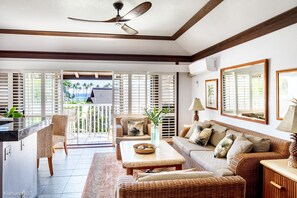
203	65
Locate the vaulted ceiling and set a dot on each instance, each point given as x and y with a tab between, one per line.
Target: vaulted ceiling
170	27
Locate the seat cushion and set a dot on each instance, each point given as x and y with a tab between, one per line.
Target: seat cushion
207	161
187	147
132	138
58	138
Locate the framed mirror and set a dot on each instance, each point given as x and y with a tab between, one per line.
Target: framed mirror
244	91
286	80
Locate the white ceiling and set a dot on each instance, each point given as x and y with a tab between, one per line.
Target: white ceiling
163	19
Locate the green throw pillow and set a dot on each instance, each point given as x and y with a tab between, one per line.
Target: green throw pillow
223	146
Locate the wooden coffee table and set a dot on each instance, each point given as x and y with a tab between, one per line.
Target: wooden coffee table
164	156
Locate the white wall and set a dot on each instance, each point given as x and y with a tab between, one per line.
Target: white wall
185	99
280	48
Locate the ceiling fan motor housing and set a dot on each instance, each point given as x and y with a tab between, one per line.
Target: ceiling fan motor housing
118	5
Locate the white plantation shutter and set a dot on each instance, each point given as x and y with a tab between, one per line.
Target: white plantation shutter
3	92
121	93
243	92
138	93
229	95
134	92
32	94
53	94
18	92
258	92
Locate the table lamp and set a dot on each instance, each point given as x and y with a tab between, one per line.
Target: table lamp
289	124
196	106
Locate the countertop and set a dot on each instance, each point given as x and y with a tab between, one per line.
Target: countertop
21	128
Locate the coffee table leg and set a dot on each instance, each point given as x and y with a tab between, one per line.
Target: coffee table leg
178	167
129	171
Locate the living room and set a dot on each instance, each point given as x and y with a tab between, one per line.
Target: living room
189	47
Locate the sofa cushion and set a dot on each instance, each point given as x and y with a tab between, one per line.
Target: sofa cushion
219	132
241	145
206	160
187	147
135	128
124	123
259	144
132	138
176	175
223	146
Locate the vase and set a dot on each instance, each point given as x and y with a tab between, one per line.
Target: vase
155	135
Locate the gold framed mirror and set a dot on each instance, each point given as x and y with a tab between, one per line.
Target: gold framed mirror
244	91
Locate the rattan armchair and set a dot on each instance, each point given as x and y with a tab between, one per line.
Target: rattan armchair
60	130
45	147
121	133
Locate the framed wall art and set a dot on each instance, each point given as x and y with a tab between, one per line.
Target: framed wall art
286	82
211	94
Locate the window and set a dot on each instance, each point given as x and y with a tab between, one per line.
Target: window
135	91
3	92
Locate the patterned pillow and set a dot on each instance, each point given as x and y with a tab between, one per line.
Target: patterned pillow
223	146
135	128
195	134
204	136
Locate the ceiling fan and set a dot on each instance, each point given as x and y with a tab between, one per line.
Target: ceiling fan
120	20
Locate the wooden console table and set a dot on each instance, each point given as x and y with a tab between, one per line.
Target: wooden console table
279	180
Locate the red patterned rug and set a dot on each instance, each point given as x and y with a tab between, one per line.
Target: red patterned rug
102	177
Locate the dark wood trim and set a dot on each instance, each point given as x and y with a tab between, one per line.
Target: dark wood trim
216	81
207	8
86	77
266	88
277	89
82	34
92	56
278	22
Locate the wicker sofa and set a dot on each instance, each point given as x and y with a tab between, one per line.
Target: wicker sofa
223	187
245	165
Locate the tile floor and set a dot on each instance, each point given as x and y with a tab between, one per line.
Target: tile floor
70	173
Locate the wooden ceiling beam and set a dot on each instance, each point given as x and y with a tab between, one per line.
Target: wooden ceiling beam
92	56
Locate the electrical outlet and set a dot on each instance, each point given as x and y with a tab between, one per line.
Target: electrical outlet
7	152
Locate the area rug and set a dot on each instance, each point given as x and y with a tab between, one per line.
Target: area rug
102	177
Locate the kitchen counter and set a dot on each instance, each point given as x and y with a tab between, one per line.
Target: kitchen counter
20	128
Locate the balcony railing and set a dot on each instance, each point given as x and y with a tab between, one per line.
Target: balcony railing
89	123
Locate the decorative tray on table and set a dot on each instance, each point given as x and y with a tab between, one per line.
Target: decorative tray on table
144	148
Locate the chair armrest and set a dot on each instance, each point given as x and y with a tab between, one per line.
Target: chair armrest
184	132
119	130
149	129
223	187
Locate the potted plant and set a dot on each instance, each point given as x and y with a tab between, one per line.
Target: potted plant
12	113
156	116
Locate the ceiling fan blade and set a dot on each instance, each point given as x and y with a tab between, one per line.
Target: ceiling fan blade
113	20
137	11
128	29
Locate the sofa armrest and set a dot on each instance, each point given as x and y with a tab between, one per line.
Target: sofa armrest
224	187
119	131
184	131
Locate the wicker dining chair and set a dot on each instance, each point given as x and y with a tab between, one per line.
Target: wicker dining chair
45	146
60	130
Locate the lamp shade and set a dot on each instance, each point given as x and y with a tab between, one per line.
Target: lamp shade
196	105
289	123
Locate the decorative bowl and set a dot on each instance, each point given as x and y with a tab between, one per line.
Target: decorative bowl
144	148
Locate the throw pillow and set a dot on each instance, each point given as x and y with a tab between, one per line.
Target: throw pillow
219	132
135	128
176	175
195	135
192	129
241	145
124	123
204	136
223	146
259	144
